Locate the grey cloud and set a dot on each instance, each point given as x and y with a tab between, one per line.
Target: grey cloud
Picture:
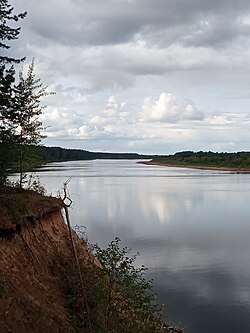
215	33
111	79
108	44
116	22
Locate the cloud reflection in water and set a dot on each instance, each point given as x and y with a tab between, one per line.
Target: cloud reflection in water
191	227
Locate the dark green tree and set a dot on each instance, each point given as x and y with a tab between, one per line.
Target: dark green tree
8	33
26	110
6	144
7	79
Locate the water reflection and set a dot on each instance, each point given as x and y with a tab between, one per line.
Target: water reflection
191	226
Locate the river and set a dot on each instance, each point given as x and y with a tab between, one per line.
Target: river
192	228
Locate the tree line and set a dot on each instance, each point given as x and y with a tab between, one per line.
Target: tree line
57	154
239	160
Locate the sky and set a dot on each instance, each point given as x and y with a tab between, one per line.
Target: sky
146	76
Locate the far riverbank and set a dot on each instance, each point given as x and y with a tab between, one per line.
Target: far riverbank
202	167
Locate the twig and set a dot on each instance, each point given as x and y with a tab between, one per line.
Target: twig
66	209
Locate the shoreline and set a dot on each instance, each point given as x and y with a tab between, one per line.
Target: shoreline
201	167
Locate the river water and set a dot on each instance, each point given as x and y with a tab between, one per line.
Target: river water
192	228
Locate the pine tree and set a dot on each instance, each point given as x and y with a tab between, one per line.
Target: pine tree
7	33
26	110
7	79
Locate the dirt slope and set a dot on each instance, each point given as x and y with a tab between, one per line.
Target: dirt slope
34	245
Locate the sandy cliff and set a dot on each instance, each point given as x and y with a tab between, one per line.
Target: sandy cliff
33	240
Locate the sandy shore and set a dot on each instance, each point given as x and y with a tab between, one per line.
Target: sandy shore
232	170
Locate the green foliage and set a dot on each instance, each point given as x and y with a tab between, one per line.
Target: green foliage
240	160
7	32
29	182
33	184
7	155
130	282
87	306
26	108
7	79
123	274
19	102
25	114
116	296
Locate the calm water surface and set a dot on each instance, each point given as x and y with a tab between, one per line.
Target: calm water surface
192	228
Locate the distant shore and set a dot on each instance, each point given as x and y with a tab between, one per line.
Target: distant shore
201	167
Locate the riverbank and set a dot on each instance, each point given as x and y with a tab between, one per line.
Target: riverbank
201	167
33	244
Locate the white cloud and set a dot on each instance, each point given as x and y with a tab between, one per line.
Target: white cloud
168	109
114	113
219	119
164	125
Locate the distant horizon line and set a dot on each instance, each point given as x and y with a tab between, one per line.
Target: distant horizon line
146	154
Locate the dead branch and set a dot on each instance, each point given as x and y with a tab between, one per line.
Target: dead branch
67	202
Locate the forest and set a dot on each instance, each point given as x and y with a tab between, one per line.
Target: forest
57	154
239	160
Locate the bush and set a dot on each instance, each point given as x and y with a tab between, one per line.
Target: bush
116	296
29	182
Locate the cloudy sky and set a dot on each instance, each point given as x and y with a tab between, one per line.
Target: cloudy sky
147	76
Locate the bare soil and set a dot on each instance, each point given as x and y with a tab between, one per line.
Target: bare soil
34	246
